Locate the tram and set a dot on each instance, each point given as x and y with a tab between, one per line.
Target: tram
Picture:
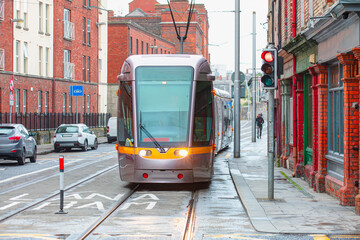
170	120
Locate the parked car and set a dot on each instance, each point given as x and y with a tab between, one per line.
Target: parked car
112	129
16	143
68	136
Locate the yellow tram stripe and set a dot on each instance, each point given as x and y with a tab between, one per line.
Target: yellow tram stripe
320	237
167	155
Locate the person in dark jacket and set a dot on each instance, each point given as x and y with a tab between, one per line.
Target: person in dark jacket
259	123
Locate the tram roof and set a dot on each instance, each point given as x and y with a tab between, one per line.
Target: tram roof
165	59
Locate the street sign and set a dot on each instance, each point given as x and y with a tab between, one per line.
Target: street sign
241	75
11	85
11	99
76	91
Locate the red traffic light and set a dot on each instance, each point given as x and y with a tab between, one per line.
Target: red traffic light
267	56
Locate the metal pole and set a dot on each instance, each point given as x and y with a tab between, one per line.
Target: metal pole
237	81
181	45
77	117
61	169
254	82
271	145
10	112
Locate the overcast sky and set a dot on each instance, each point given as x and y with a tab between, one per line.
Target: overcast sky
222	28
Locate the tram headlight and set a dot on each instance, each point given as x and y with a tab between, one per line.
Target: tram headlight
181	153
145	153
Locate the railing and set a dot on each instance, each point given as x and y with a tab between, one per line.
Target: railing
69	30
69	69
2	9
44	122
2	59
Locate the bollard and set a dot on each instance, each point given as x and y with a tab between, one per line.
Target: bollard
61	169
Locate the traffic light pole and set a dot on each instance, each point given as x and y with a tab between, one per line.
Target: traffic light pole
271	144
237	82
254	82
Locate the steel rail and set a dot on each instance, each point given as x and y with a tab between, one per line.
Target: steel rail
102	218
50	175
81	181
190	219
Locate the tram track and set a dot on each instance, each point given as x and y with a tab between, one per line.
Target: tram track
47	177
50	196
190	216
107	214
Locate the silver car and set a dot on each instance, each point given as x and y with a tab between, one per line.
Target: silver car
69	136
16	143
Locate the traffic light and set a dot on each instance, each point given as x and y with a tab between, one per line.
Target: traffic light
269	68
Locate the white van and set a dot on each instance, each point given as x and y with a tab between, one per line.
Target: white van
112	129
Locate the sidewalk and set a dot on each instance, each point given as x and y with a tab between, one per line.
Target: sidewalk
48	148
296	207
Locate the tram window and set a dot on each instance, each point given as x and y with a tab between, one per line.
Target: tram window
125	116
203	114
163	104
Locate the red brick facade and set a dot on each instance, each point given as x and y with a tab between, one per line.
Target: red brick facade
48	92
335	80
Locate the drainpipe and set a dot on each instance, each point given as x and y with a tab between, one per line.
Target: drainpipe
294	92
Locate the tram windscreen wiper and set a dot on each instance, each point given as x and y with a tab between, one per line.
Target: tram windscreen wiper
157	144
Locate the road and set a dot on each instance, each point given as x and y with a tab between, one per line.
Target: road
99	206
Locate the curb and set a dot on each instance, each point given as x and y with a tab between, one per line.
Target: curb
255	212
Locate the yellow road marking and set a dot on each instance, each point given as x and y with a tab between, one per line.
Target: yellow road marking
320	237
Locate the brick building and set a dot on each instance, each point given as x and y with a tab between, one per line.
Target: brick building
149	29
47	47
317	101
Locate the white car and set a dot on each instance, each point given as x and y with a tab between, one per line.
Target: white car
69	136
112	129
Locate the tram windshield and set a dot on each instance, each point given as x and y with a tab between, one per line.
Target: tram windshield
163	104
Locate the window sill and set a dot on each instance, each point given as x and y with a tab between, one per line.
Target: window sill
40	32
18	27
26	28
84	44
68	39
47	34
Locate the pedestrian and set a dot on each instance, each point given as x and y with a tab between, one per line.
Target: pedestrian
259	123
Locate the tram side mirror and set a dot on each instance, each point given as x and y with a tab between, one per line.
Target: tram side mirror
210	77
121	77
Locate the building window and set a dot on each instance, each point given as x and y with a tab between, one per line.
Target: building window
335	156
17	101
64	103
131	45
47	18
46	102
84	3
40	17
88	31
39	102
40	60
147	48
25	9
47	55
84	29
24	101
68	66
69	27
26	57
17	57
309	110
88	69
142	47
137	46
88	103
336	110
84	68
88	3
